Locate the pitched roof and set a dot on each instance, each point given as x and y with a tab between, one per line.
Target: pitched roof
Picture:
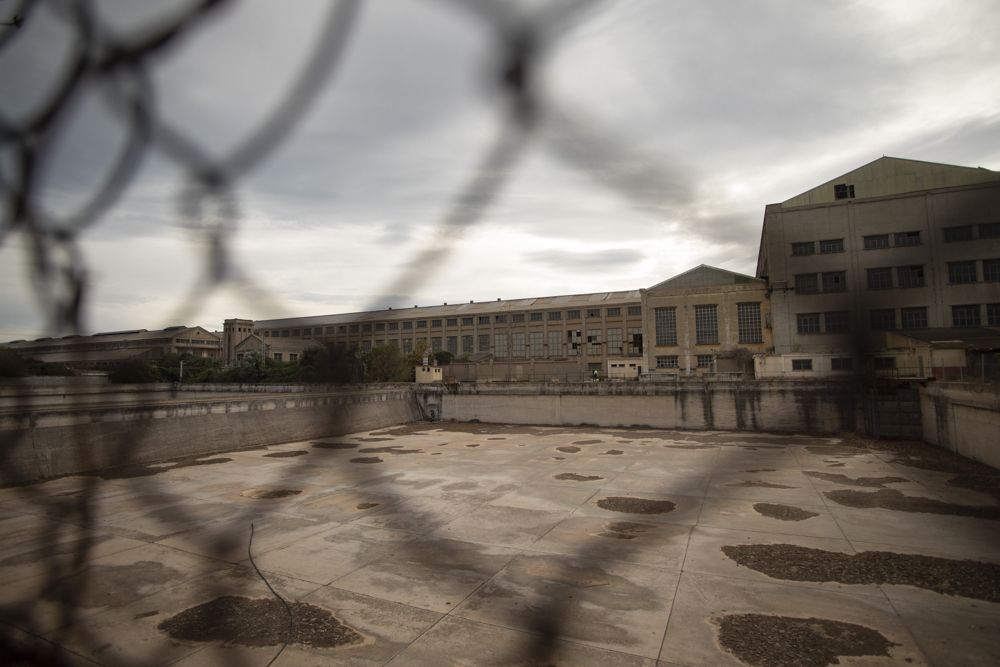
704	275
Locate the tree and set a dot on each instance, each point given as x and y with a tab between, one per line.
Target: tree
133	371
386	364
443	357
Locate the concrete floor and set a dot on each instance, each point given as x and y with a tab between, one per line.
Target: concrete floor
462	547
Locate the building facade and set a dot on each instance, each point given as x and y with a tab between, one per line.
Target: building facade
895	245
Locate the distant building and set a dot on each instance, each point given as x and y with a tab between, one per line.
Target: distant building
894	245
278	349
108	349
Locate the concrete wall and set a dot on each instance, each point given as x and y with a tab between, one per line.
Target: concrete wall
963	418
59	441
764	406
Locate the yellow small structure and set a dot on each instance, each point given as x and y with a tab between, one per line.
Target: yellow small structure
425	374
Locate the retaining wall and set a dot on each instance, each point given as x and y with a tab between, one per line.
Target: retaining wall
964	419
58	441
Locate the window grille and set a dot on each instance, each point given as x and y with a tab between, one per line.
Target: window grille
910	276
831	245
706	325
668	361
961	272
879	278
883	319
748	321
665	320
806	283
913	318
965	316
836	321
807	323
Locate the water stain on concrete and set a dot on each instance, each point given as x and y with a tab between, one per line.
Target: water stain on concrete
459	486
376	439
763	485
587	442
366	506
395	450
623	530
260	622
690	446
631	505
112	585
367	459
270	494
334	445
146	614
763	640
577	478
568	449
558	458
148	470
761	470
285	455
783	512
877	482
613	452
891	499
475	444
496	438
964	578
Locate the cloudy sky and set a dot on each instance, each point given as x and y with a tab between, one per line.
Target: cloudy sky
662	129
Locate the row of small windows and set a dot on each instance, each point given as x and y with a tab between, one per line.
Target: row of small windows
830	281
906	276
898	240
671	361
706	324
535	316
826	246
988	230
960	273
885	319
531	344
880	278
836	364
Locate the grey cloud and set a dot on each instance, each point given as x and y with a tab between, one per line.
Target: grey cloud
583	260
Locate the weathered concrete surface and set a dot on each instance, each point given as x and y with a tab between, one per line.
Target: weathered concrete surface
776	406
470	545
964	419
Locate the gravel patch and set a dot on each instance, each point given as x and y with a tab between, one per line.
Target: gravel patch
783	512
837	478
964	578
635	505
764	485
569	449
270	494
286	455
576	478
334	445
367	459
891	499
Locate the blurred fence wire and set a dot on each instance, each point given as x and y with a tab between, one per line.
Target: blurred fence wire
120	69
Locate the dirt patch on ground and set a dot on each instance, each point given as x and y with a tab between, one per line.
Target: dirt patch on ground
335	445
763	485
269	494
577	478
395	450
891	499
496	438
286	455
761	470
612	452
367	459
877	482
248	622
635	505
762	640
568	449
587	442
148	470
964	578
623	530
365	506
783	512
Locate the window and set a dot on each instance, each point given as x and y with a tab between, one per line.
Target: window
748	322
831	245
380	326
436	344
704	360
354	329
991	270
913	318
467	345
706	325
500	319
556	344
614	312
959	233
634	341
452	322
593	312
965	316
901	239
574	338
484	319
453	344
277	356
993	314
421	324
484	342
669	361
594	342
393	326
365	328
807	323
500	346
961	272
572	314
910	276
467	321
884	363
517	317
435	324
536	317
366	346
883	319
879	278
298	332
615	342
836	321
407	345
803	248
293	356
407	326
635	311
989	230
555	315
834	281
343	328
843	191
267	334
806	283
665	320
802	364
841	364
535	347
518	349
876	241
